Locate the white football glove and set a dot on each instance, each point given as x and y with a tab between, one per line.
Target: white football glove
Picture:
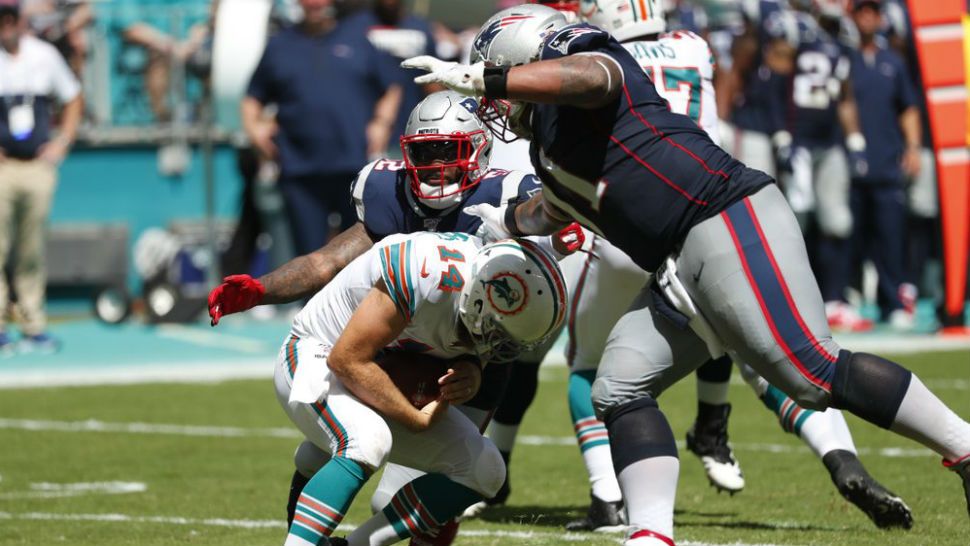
462	78
493	221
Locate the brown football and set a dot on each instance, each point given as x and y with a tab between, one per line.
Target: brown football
415	375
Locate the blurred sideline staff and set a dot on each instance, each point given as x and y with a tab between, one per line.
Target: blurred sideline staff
31	72
337	99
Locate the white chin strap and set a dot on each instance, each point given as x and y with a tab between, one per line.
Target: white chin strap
443	202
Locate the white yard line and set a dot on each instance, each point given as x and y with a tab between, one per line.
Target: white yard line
93	425
161	372
45	490
279	524
217	340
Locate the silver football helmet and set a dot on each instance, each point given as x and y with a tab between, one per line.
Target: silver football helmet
446	148
513	37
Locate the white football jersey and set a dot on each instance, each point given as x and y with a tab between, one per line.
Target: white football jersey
424	274
681	66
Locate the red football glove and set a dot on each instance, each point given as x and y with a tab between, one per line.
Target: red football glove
569	239
236	293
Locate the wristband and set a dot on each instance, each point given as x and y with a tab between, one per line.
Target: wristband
509	221
496	82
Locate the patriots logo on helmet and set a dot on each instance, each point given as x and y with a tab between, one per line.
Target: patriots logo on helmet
470	104
506	292
484	39
560	42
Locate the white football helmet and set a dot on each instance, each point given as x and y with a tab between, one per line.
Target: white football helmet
625	19
446	148
515	299
513	37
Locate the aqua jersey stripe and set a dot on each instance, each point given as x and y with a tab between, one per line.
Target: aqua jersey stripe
396	272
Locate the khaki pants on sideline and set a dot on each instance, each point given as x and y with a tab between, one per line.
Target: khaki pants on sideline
26	189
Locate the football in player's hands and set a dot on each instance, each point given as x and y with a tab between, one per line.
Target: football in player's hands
414	374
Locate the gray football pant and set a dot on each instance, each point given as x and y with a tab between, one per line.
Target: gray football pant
819	183
748	273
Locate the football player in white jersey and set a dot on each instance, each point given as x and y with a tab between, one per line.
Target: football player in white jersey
439	294
681	66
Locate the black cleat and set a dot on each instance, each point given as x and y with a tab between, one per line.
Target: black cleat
602	516
708	439
337	541
883	507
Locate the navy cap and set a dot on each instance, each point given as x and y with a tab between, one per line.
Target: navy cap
858	4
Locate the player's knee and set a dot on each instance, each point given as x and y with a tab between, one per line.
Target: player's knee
372	449
837	223
308	458
487	471
870	387
638	430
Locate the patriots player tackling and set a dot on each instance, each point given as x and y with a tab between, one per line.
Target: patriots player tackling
445	168
732	271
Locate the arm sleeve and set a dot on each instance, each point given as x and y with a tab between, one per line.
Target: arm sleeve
572	39
528	186
261	83
905	90
66	86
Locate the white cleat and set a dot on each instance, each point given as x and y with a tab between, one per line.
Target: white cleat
707	439
474	510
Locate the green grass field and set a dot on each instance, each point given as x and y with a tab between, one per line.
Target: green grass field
219	474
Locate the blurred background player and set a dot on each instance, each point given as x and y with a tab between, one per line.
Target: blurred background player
822	128
322	132
33	79
391	28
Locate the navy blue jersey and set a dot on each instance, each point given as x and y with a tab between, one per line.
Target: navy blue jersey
761	107
815	88
632	171
386	205
883	90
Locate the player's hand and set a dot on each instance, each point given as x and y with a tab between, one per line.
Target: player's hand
462	78
782	143
493	221
428	415
855	146
236	293
569	239
461	383
911	162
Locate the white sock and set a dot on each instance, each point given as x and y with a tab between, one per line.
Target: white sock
602	480
293	540
924	418
502	435
649	488
713	393
376	531
826	430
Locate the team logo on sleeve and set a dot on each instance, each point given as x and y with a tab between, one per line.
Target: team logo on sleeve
560	42
484	39
507	293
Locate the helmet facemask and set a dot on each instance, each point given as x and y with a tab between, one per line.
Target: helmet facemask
442	167
507	120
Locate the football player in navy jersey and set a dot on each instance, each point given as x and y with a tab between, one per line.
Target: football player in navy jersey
822	125
445	169
732	273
